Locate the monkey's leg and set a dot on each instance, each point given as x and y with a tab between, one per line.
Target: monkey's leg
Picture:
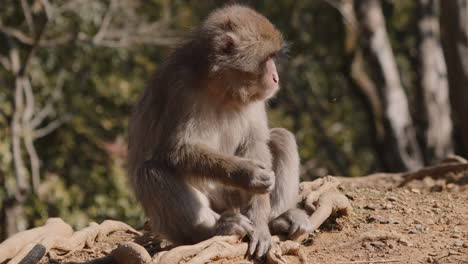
285	217
177	211
181	213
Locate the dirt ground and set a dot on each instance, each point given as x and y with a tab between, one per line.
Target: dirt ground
425	221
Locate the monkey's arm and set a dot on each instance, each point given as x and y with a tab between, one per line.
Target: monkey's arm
259	208
199	160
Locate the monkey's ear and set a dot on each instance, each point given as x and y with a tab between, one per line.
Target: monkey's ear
225	44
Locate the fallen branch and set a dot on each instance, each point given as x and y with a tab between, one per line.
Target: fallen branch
53	226
437	171
322	199
66	242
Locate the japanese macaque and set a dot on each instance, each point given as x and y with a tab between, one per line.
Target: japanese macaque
202	159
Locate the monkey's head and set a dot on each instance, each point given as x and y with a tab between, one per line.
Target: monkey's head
242	47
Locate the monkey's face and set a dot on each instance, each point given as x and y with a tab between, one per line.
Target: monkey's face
243	46
269	80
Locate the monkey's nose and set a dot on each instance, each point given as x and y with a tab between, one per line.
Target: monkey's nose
275	78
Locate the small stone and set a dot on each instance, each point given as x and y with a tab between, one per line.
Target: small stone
384	221
387	206
372	207
455	236
430	260
405	242
417	222
368	246
433	254
413	231
392	199
415	190
378	244
459	243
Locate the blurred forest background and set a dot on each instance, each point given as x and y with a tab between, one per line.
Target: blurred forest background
369	86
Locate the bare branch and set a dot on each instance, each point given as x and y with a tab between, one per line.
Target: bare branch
48	9
345	7
33	158
5	62
47	109
41	116
29	95
18	34
49	128
21	182
105	22
27	15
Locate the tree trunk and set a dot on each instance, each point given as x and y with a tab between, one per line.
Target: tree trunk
454	22
434	86
401	144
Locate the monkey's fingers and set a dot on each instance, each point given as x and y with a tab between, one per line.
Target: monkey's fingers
262	249
253	244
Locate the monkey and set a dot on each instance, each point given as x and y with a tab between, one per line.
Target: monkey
202	159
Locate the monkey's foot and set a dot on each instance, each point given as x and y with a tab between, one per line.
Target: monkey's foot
56	238
321	199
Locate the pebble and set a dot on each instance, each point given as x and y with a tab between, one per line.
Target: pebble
392	199
372	207
387	206
405	242
378	244
415	190
459	243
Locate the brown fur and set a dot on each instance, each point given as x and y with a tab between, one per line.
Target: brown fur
202	160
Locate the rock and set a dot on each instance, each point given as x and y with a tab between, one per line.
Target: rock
378	244
413	231
372	207
414	190
405	242
458	243
387	206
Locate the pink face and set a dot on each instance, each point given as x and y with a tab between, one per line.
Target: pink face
270	79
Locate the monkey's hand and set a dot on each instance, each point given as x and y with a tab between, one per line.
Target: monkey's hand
254	177
260	241
234	224
293	222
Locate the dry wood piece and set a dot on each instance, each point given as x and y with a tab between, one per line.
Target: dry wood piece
323	199
218	247
437	171
60	239
53	226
